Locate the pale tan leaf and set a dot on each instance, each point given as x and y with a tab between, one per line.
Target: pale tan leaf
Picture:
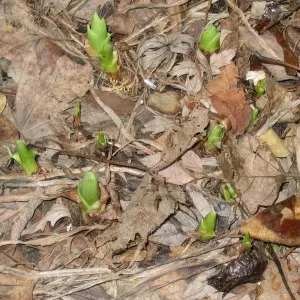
175	174
56	212
220	60
188	70
157	125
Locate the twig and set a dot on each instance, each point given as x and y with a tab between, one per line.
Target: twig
255	34
104	160
269	60
154	5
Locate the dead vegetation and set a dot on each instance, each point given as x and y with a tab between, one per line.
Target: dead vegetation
159	173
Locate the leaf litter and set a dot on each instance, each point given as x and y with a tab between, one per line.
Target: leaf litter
157	174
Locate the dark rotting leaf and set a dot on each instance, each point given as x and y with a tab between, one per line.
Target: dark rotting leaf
248	267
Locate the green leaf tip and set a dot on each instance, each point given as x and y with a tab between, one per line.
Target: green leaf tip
260	87
210	39
101	141
99	40
254	116
25	157
215	137
228	192
247	241
89	193
207	226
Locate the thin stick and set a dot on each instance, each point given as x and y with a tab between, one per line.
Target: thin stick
154	5
255	34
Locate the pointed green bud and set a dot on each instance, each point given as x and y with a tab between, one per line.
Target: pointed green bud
228	192
99	40
210	39
215	137
89	193
99	27
77	110
25	157
247	241
94	41
101	141
261	87
207	226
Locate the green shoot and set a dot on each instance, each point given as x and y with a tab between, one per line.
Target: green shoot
210	39
25	157
89	193
246	241
99	40
101	140
207	226
260	87
254	116
215	137
228	192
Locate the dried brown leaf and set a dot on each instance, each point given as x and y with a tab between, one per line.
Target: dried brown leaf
121	24
14	287
55	83
183	138
220	60
157	125
279	224
253	169
229	100
188	69
272	286
24	217
158	52
149	207
247	38
56	212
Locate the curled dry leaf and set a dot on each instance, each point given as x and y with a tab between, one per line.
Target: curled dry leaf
149	207
56	212
222	59
278	224
160	52
182	137
191	74
23	217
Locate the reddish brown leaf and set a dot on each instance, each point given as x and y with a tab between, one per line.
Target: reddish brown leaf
229	100
277	224
121	106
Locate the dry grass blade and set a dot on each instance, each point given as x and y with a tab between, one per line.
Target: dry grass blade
54	238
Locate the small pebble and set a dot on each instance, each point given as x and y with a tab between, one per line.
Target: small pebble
165	103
